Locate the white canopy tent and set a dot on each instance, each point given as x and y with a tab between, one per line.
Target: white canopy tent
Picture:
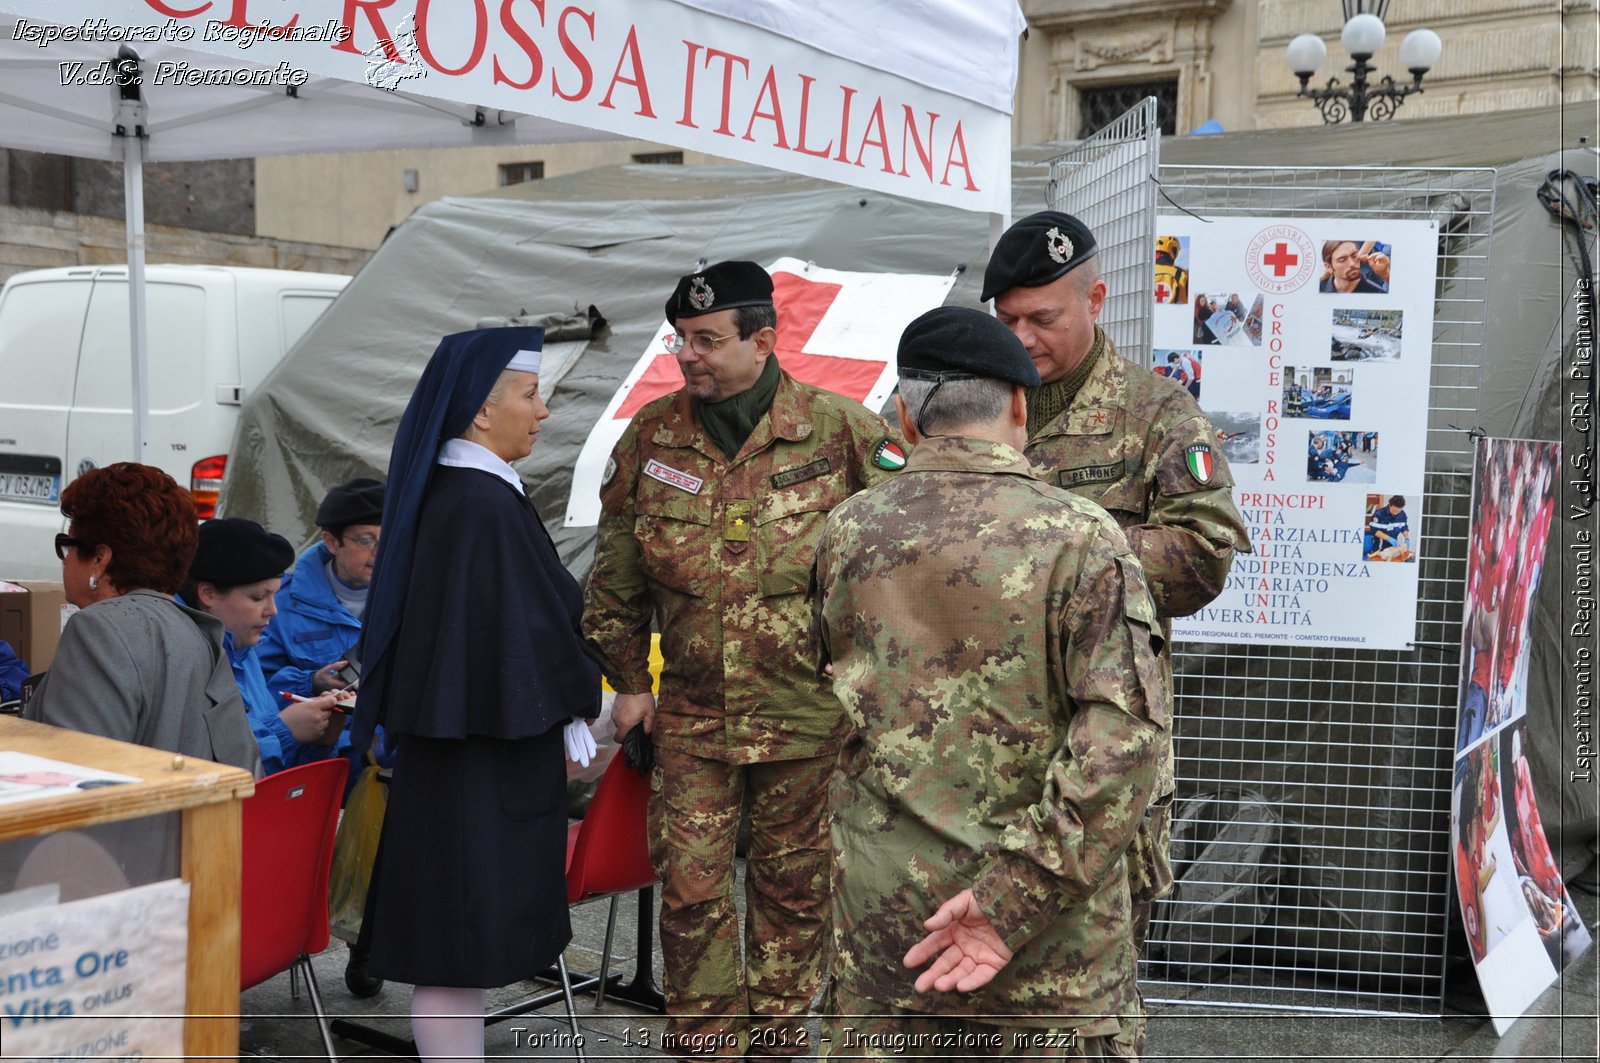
912	99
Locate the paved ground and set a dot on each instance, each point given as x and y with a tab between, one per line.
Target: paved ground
1562	1026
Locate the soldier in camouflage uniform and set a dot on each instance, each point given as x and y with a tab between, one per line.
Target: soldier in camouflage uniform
995	648
1135	443
711	507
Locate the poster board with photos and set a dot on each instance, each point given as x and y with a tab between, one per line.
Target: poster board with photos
1308	344
1522	929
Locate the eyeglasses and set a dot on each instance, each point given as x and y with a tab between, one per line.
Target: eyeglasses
366	542
65	542
700	343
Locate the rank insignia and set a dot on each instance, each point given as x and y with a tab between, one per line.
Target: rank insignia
888	455
1057	244
736	521
1201	462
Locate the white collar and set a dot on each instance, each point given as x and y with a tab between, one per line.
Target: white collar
465	454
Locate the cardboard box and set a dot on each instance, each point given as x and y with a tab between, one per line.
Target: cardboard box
32	613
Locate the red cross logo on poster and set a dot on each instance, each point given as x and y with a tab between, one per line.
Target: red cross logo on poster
1163	292
1280	259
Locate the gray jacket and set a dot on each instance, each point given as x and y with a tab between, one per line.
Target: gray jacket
141	668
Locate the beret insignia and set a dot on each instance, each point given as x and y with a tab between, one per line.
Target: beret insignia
700	293
1057	244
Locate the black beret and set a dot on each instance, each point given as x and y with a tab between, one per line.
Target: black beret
722	286
1035	251
958	342
235	551
360	501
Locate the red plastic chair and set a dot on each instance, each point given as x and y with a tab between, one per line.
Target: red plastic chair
607	851
288	833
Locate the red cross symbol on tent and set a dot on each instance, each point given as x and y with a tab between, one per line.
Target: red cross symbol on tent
1163	293
802	304
1280	258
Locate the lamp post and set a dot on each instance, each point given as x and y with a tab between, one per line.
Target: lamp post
1362	37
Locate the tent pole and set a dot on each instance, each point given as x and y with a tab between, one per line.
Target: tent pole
129	121
133	197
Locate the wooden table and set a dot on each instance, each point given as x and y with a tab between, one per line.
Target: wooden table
207	797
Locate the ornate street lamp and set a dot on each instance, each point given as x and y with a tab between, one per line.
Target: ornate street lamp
1362	37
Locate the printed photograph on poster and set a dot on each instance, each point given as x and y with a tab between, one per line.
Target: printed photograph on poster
1386	532
1238	436
1280	377
1318	392
1561	930
1182	367
1172	269
1513	504
1355	267
1486	879
1342	457
1362	335
1223	319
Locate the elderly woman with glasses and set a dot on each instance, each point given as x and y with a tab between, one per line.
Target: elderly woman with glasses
132	663
473	662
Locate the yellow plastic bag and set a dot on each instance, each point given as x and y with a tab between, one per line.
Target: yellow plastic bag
354	850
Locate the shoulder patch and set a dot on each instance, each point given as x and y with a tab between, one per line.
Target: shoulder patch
1200	461
888	455
610	473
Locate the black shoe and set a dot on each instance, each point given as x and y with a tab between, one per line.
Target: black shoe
357	980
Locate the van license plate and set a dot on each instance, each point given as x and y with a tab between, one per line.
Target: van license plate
26	487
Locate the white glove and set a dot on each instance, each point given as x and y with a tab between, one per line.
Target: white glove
579	742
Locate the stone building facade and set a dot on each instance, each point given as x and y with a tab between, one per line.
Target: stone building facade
1224	59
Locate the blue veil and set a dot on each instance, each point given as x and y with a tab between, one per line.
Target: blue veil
453	387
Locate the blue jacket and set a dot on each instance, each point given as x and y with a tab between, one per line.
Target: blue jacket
13	670
1392	525
279	750
312	629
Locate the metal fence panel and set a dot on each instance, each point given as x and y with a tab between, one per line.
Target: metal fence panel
1314	784
1107	183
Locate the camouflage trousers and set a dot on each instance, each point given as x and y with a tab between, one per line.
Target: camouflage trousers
1149	869
854	1027
716	1005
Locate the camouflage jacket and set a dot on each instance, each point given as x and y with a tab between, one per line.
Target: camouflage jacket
993	643
719	552
1129	442
1138	445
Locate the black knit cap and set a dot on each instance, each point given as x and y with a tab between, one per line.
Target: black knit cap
958	342
1035	251
723	286
358	501
234	551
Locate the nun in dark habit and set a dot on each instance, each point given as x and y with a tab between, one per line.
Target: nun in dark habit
474	665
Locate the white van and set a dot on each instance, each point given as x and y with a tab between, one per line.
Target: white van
66	381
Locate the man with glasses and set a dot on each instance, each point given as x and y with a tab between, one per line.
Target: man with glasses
712	503
321	601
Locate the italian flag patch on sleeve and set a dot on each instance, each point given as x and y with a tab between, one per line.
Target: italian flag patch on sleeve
888	455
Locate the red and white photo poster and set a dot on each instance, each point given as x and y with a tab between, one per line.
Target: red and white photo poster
1307	341
1520	923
